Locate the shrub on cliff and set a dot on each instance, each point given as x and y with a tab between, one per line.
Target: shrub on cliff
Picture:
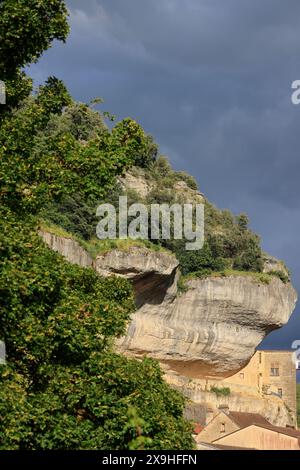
220	391
228	242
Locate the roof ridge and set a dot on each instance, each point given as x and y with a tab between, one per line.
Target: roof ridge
293	432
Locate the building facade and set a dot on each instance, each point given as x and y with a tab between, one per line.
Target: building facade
261	438
269	373
266	386
230	429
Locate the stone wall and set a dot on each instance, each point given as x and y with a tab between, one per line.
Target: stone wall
283	384
253	389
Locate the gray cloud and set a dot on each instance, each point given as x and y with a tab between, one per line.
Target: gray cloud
211	81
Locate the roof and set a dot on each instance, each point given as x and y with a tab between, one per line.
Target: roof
221	447
197	428
213	446
275	350
287	431
244	420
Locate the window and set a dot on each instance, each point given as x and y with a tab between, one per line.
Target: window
274	371
280	393
242	375
222	430
260	357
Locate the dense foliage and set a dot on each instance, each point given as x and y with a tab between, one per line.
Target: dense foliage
39	166
27	28
63	386
229	243
126	145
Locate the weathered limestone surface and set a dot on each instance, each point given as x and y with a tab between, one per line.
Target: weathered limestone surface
143	186
187	194
206	404
67	247
136	183
152	273
211	330
273	264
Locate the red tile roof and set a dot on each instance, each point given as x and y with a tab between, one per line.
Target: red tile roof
197	428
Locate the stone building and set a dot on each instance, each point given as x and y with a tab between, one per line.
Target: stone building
269	373
228	430
227	422
266	386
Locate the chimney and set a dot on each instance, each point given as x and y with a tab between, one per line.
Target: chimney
224	408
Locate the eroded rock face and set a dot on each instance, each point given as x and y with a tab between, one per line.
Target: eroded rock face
204	405
143	186
137	183
211	330
152	273
272	264
67	247
189	195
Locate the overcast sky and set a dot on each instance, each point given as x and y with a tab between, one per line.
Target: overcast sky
211	81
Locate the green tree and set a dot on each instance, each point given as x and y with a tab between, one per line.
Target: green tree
27	29
38	167
242	221
78	119
63	386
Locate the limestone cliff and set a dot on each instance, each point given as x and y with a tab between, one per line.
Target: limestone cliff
203	404
141	182
152	273
212	329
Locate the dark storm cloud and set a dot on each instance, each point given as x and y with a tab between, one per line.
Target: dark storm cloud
210	79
